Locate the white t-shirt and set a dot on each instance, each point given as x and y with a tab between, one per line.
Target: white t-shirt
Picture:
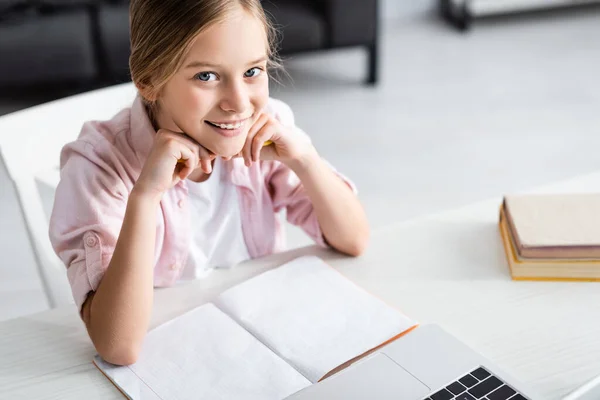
217	238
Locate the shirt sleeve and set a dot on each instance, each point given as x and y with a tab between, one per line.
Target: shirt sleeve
87	215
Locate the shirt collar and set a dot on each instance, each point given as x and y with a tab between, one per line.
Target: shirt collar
142	131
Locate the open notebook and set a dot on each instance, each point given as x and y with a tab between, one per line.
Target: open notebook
265	338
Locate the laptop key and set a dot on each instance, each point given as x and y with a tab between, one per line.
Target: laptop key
485	387
480	374
518	397
464	396
502	393
468	380
442	395
456	388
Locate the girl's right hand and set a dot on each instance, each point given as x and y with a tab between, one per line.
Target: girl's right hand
172	158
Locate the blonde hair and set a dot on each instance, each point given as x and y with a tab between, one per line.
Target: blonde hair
161	32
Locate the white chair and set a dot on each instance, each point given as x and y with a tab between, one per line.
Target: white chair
30	144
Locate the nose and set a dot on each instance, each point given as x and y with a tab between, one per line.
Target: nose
235	97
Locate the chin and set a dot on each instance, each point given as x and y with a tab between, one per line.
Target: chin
228	148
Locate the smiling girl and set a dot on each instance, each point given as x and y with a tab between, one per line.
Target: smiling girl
193	175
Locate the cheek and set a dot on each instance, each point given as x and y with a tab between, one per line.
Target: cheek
197	101
192	104
188	101
260	96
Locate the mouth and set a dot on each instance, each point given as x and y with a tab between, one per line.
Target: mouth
228	129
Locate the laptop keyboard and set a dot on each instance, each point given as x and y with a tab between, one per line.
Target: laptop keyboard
479	384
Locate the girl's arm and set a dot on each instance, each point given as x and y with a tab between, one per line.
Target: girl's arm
340	215
339	212
118	313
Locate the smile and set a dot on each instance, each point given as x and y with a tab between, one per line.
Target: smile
228	129
228	126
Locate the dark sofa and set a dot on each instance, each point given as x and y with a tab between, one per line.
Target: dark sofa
86	42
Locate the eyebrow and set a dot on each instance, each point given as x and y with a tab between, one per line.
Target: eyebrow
197	64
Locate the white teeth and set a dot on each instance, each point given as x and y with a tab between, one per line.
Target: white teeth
229	126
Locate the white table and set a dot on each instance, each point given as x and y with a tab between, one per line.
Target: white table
447	268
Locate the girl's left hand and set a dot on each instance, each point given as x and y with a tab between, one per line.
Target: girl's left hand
289	145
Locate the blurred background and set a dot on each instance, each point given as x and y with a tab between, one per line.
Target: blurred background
424	104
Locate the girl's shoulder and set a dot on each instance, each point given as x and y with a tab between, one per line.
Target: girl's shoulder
96	135
125	136
280	111
104	148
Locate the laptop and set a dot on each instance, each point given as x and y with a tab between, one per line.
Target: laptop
427	363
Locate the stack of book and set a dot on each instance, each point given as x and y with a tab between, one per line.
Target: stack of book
552	236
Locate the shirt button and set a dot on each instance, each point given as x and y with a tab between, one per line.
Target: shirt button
174	267
180	203
91	241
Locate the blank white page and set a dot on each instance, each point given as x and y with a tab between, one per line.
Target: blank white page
204	354
312	316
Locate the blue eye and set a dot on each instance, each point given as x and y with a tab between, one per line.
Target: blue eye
205	76
251	73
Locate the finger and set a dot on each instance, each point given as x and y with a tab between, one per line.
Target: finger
178	140
185	139
206	158
193	143
262	119
206	166
247	150
188	162
260	138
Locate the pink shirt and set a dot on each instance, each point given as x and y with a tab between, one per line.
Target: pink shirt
98	171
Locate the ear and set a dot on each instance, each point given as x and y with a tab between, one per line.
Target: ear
148	92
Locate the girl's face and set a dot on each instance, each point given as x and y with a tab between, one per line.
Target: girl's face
221	87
